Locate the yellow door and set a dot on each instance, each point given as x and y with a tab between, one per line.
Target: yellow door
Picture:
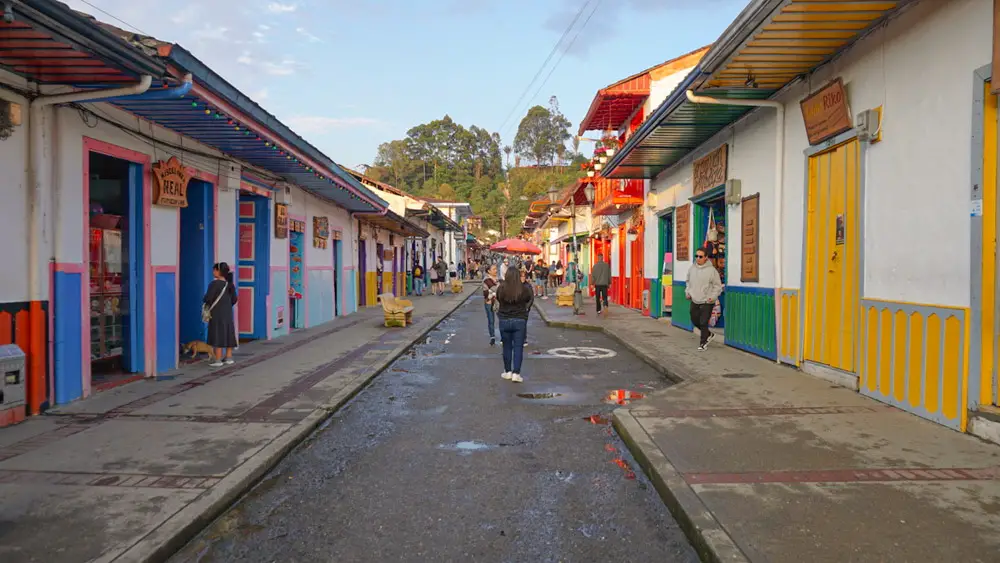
989	338
832	298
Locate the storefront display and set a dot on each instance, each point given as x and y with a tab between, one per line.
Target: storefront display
107	325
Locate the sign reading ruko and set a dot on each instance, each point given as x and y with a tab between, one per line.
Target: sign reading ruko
826	113
711	170
170	183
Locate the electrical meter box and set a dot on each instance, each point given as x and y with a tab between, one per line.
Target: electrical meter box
12	367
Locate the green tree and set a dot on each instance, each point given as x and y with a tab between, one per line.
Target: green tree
542	134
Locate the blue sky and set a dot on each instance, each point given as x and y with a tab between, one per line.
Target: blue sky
350	74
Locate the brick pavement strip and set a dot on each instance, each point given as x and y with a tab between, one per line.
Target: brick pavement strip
265	432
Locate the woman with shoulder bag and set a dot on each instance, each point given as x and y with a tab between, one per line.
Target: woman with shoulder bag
515	299
217	311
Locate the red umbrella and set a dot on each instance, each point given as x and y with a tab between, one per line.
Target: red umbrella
515	246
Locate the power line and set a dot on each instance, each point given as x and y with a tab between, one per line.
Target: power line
541	69
110	15
563	54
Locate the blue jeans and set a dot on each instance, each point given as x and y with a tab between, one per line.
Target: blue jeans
513	332
491	319
418	286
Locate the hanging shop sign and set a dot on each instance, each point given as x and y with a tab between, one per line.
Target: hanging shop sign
825	113
321	231
750	254
711	170
388	254
297	226
683	226
280	220
170	183
336	235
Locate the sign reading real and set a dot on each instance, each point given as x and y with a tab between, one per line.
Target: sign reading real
170	183
825	113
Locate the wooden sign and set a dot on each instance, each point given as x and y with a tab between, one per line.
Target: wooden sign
336	235
711	170
280	220
388	254
750	250
826	113
682	224
321	231
170	183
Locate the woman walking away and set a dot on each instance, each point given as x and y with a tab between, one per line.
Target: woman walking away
515	301
217	309
490	286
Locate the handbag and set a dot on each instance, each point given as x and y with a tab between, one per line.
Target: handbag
713	234
206	311
716	313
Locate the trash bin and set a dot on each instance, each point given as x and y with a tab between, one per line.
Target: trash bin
12	365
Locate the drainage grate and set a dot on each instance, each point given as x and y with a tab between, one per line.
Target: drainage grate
739	375
539	395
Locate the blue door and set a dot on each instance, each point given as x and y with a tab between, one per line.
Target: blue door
254	265
134	358
197	238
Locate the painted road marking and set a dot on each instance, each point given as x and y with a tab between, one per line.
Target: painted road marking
582	353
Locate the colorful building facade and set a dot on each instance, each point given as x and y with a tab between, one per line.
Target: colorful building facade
129	188
852	215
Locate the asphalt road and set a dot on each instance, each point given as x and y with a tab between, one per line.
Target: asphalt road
441	460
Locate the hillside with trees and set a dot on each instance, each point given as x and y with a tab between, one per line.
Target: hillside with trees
444	159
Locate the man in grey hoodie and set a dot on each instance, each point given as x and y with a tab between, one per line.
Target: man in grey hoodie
703	288
600	278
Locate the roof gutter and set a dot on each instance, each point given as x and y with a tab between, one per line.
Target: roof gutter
36	163
779	180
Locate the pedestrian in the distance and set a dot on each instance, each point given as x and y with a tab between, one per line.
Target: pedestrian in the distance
600	278
442	275
704	286
217	309
418	279
503	268
490	286
432	270
514	299
541	279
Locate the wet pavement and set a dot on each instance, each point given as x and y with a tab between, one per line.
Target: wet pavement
442	460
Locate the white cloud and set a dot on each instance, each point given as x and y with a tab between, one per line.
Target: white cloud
305	33
305	124
279	8
284	67
259	95
263	27
245	58
212	33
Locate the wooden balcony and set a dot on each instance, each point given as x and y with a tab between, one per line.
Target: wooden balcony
612	197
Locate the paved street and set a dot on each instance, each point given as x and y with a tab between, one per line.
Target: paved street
442	460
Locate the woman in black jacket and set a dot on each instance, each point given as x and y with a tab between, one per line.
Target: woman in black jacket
515	299
218	303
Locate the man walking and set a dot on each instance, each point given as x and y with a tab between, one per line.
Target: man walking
600	277
442	275
704	286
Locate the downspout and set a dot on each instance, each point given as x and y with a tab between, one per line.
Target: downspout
779	169
36	162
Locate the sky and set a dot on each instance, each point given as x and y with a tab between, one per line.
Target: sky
349	75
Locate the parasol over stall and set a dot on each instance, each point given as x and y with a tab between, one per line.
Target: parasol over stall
515	246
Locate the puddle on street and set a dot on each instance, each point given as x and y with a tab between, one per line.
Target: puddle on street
539	395
622	397
598	419
466	447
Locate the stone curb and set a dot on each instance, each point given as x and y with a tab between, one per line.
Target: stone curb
707	535
703	530
178	529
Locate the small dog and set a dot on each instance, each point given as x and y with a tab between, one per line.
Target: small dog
196	347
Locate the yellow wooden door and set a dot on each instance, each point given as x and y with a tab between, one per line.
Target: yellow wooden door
833	246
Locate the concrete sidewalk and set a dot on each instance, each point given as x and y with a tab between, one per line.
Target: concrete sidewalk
760	462
132	473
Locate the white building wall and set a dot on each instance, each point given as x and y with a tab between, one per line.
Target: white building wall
14	194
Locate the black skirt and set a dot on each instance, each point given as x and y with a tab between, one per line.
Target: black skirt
221	327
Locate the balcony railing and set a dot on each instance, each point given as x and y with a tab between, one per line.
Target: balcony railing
612	197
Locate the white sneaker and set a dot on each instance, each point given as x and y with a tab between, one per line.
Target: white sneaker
216	364
506	375
516	378
229	361
711	337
